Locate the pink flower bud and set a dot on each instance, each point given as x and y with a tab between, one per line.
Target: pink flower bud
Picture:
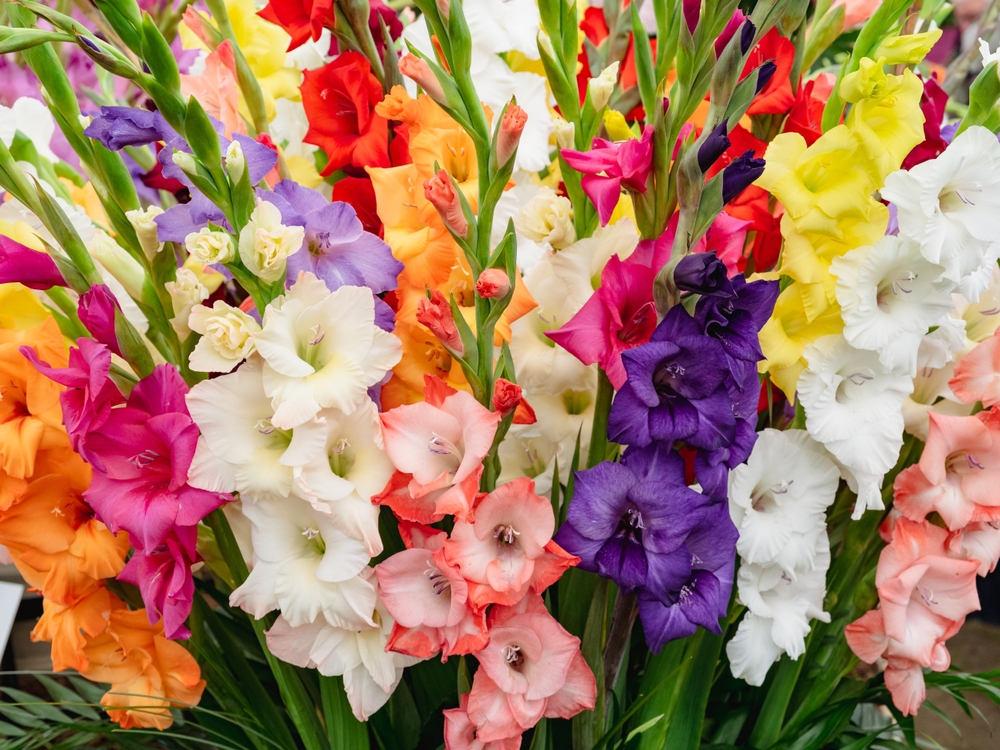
511	126
442	195
435	313
443	9
493	282
506	396
420	72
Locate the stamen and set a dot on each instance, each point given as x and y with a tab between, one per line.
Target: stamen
439	581
57	511
505	534
440	446
991	311
674	369
782	487
860	378
635	518
144	459
317	334
310	533
264	426
927	595
341	446
897	286
973	463
512	655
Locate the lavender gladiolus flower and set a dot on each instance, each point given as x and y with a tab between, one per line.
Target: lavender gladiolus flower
118	127
336	247
676	389
740	174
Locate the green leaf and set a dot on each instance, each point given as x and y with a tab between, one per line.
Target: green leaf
344	731
645	73
67	698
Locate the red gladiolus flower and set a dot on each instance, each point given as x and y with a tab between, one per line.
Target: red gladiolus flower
359	192
777	96
302	19
340	100
806	116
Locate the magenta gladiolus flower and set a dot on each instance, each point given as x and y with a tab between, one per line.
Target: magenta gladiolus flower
97	313
146	448
626	164
26	266
619	316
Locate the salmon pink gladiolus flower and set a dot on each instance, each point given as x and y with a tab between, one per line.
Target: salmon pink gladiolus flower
460	732
977	374
437	447
429	599
507	549
532	668
957	474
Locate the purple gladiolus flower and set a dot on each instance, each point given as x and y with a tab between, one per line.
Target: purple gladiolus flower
181	219
705	274
676	389
336	247
714	146
118	127
735	321
740	174
703	598
747	34
97	313
764	73
23	265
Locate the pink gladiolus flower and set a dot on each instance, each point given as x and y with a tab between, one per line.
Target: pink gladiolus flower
89	395
958	472
437	447
429	599
618	316
493	282
460	732
977	374
146	448
435	312
97	313
508	549
978	541
626	164
511	126
531	668
725	237
23	265
441	193
165	581
856	11
925	593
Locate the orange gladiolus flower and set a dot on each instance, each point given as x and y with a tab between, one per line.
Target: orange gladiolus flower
148	673
67	627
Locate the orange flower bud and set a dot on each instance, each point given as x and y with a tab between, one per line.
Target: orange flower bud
435	313
442	195
506	396
511	126
493	282
420	72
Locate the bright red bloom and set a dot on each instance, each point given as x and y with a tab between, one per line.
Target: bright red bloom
360	194
302	19
777	96
340	100
806	116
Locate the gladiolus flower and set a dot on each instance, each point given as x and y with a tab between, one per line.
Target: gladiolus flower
493	282
443	196
626	164
302	19
436	313
511	126
23	265
460	732
420	73
97	313
977	374
506	396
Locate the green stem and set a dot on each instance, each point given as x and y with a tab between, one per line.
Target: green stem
767	730
344	731
293	692
599	432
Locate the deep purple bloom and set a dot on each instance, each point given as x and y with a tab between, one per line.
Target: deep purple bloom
735	321
629	521
336	247
23	265
714	146
96	308
712	468
705	274
764	73
747	33
164	578
740	174
703	598
117	127
676	389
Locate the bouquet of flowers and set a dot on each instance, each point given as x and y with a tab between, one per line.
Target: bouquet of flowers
495	374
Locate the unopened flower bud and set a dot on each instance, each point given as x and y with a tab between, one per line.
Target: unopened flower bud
443	9
420	73
266	243
436	314
600	88
692	14
493	282
185	292
565	134
116	261
142	221
440	191
742	172
747	33
548	217
714	146
764	73
209	246
511	126
185	161
236	163
226	337
506	396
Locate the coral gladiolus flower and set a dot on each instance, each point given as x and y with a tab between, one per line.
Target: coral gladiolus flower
302	19
977	374
437	448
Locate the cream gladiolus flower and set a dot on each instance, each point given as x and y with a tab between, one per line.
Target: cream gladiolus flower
186	291
226	337
548	217
210	246
143	221
266	243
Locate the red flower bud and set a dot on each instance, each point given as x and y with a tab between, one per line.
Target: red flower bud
443	196
506	396
493	282
511	126
435	313
420	72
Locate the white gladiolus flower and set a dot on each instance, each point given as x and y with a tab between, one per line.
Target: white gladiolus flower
370	673
936	358
889	296
548	217
950	206
240	449
117	262
304	566
185	291
853	407
266	243
142	221
209	246
351	467
226	337
322	350
32	118
600	88
236	162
